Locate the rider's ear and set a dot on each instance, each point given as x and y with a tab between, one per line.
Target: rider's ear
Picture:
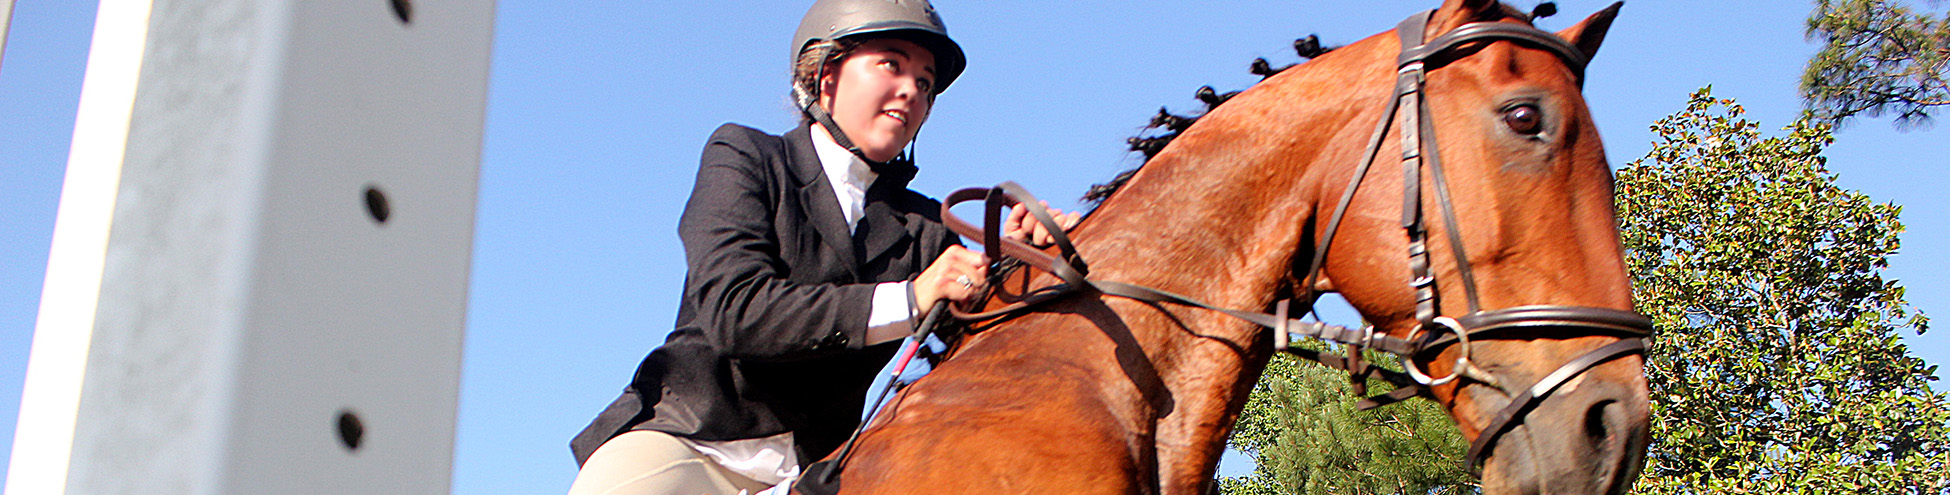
1588	34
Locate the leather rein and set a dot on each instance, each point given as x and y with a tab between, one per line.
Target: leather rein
1433	332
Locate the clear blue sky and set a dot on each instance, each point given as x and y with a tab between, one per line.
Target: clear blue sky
598	110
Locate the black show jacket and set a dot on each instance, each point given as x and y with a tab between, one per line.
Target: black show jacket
771	331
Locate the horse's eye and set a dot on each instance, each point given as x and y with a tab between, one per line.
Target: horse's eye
1524	119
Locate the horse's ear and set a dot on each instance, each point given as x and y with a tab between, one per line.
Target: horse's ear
1590	32
1455	13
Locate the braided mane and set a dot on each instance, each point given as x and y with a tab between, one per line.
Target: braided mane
1168	125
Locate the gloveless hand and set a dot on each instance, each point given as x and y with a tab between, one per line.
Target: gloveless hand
957	275
1021	226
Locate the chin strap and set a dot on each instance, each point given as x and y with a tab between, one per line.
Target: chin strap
819	115
824	119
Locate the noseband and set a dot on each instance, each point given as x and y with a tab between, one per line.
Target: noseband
1432	332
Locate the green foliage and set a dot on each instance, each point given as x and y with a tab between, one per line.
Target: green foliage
1878	58
1303	430
1777	365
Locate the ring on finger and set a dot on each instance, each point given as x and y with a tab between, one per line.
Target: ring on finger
964	281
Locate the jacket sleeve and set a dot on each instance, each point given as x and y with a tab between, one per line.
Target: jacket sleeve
738	285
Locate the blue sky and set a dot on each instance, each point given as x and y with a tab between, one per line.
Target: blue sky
598	109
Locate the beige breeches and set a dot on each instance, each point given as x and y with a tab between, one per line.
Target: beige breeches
643	462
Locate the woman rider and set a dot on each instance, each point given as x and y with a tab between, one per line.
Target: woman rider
808	258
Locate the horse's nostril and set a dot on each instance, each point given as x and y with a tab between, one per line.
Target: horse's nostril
1596	424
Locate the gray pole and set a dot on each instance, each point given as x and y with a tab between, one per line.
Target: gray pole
6	18
282	312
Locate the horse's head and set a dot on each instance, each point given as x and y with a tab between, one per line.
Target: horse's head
1531	196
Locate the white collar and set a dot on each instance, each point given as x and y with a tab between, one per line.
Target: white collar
842	166
848	175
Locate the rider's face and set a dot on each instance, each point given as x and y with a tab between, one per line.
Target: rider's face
881	95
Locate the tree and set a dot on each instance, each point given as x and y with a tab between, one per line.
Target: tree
1303	431
1878	58
1776	365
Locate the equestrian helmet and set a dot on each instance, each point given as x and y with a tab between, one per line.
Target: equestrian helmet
911	20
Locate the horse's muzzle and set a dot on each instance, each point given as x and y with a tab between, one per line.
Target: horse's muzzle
1588	438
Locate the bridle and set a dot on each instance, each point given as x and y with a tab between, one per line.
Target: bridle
1419	151
1432	332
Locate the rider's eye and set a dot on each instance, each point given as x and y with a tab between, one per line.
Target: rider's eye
1524	119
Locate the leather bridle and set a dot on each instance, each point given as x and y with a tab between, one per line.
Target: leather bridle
1432	332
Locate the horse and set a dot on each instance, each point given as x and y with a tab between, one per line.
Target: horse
1096	393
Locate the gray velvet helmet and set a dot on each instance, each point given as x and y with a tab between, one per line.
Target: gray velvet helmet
912	20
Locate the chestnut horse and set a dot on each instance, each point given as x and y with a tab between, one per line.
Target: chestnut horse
1099	394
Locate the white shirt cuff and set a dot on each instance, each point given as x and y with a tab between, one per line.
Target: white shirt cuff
891	319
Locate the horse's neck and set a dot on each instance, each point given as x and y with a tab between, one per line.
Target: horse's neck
1204	237
1211	239
1219	217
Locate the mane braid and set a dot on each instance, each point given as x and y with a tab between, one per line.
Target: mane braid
1307	48
1173	125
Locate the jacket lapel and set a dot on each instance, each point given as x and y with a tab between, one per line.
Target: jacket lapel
881	228
879	231
817	197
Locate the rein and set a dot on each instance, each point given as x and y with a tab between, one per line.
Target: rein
1432	332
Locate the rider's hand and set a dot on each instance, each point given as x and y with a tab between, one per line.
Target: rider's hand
1021	226
943	279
